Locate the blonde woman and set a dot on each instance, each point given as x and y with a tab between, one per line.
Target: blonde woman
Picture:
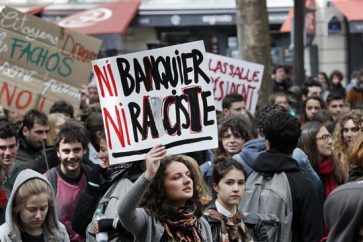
30	212
56	120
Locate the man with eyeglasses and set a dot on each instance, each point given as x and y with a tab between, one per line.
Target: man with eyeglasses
9	145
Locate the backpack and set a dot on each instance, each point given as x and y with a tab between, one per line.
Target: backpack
109	206
270	194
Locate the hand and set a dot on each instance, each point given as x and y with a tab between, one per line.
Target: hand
152	160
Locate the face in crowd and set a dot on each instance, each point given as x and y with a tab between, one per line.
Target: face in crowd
178	183
350	132
230	189
71	156
236	108
36	135
336	107
324	142
280	75
311	108
103	153
8	149
232	142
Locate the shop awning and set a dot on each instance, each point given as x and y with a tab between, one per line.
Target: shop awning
109	18
352	9
286	25
36	10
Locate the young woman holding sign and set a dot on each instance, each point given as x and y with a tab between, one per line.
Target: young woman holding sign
172	206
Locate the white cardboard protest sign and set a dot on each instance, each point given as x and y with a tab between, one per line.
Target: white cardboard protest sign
157	96
232	75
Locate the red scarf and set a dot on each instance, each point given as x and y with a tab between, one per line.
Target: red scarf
3	197
326	169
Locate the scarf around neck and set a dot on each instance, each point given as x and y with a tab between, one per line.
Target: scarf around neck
326	169
232	228
3	197
183	225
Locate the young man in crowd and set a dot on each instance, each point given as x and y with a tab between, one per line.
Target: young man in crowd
281	82
233	104
9	145
70	177
33	138
335	105
282	132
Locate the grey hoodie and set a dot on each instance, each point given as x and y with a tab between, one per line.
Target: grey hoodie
9	231
343	212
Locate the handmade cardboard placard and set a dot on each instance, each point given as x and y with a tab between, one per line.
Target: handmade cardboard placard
232	75
42	59
158	96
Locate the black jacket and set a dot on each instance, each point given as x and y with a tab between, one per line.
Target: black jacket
307	222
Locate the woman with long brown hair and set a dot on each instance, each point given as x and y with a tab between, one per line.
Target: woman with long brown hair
172	204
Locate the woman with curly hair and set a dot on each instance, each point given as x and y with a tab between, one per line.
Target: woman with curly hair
346	130
232	135
172	201
316	142
355	159
310	108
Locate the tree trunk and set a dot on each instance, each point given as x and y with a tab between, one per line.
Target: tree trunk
254	40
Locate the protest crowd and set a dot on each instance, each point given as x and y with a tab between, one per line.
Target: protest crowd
161	149
57	183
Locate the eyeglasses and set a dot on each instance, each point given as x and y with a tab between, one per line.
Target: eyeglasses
324	137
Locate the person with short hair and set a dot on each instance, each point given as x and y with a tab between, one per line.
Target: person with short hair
70	177
33	138
335	85
3	195
281	82
233	104
9	145
30	212
335	104
282	132
62	107
312	88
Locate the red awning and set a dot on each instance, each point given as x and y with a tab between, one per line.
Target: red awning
36	10
286	25
106	18
352	9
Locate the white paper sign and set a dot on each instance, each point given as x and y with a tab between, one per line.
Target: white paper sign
232	75
158	96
